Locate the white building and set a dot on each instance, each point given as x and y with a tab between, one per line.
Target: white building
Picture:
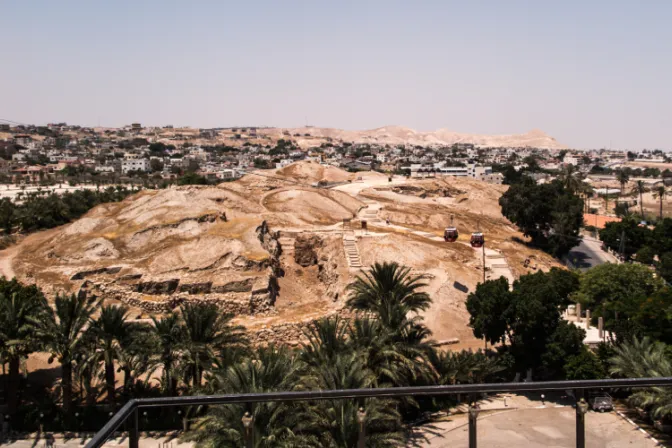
283	163
482	173
570	160
135	165
228	173
104	169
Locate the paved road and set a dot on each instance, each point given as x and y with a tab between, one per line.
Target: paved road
534	428
588	254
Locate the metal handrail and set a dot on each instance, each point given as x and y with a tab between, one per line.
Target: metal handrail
130	408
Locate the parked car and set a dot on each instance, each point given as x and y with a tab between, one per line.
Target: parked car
601	401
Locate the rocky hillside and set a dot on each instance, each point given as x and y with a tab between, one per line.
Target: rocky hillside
271	248
394	135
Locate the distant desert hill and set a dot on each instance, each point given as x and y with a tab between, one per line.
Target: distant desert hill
394	135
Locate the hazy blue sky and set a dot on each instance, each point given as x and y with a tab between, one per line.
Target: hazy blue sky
588	72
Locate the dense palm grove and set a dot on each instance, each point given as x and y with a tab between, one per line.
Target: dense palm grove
38	210
106	358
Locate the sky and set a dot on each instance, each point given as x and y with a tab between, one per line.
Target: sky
591	73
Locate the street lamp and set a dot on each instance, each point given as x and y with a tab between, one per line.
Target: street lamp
247	424
542	399
361	419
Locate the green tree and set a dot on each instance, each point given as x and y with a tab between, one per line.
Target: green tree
623	178
645	255
169	332
393	364
665	266
662	236
563	343
390	292
7	211
570	178
625	236
654	315
208	335
660	192
532	163
534	314
61	332
20	306
548	213
643	358
157	148
638	191
584	366
110	331
326	339
608	289
335	424
622	210
272	369
191	178
464	367
156	165
487	308
261	163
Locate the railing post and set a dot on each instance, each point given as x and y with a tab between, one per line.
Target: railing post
248	421
473	416
581	409
361	419
133	433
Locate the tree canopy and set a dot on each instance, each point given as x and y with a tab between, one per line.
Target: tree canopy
550	214
527	319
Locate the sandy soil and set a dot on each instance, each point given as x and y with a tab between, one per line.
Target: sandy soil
208	234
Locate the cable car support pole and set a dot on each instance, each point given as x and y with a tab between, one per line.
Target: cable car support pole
483	260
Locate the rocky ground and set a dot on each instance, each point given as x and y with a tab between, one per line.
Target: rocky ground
269	248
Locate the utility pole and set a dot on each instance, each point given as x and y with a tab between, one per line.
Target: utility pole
621	248
483	260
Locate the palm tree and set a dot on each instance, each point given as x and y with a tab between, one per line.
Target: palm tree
389	361
660	192
208	335
638	358
623	178
605	196
390	292
61	332
19	307
571	178
170	333
326	339
464	367
135	357
586	191
643	358
88	369
110	331
639	190
272	369
335	423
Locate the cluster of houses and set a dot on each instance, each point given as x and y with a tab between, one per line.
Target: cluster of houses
31	153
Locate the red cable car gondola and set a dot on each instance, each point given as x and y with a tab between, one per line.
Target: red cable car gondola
450	234
477	239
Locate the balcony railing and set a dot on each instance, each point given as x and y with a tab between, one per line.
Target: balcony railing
130	409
